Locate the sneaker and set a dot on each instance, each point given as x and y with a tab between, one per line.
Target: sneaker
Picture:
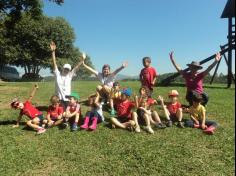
149	129
169	123
64	125
113	112
137	129
180	125
74	127
160	126
41	130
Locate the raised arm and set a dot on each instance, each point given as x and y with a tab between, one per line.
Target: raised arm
89	68
33	92
76	68
174	63
217	59
124	65
53	49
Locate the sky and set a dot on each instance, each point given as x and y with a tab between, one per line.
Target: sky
113	31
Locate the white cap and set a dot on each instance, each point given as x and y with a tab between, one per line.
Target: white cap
67	66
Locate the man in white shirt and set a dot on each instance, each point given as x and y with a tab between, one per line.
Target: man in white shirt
64	78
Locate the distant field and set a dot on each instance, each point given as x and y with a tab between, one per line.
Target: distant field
171	151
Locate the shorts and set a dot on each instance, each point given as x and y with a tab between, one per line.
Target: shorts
173	118
123	119
140	113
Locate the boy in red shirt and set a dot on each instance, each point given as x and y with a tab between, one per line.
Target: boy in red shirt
148	74
55	112
73	110
126	118
27	109
173	109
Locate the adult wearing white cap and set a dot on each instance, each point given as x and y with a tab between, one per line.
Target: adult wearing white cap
64	78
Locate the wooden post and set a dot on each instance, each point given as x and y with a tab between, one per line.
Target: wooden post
230	25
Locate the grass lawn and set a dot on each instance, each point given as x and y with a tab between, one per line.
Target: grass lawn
171	151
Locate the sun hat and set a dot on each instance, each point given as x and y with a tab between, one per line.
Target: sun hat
127	91
195	64
173	93
67	66
74	94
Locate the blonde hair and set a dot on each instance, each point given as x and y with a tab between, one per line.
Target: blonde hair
55	99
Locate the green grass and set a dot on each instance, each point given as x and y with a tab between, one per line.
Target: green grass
172	151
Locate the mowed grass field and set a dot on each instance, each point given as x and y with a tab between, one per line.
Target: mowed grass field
171	151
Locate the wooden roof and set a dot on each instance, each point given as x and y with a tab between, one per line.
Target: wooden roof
229	10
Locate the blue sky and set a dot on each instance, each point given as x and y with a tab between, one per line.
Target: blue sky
112	31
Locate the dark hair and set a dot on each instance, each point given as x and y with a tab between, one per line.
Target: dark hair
147	59
106	66
147	90
116	84
197	97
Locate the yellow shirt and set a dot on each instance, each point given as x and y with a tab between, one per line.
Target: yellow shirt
115	95
197	112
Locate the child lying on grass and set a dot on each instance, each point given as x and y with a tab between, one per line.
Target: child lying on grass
27	109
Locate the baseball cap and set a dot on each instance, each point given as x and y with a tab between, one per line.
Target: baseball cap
74	94
127	91
173	93
67	66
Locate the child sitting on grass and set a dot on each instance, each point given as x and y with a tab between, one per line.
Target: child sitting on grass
127	118
198	116
172	109
27	109
145	113
55	112
148	75
114	96
95	115
72	111
153	116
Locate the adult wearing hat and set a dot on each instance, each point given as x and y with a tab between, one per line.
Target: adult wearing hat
194	78
63	78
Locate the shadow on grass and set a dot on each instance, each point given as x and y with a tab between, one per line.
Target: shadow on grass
10	122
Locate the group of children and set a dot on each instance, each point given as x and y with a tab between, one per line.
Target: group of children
127	111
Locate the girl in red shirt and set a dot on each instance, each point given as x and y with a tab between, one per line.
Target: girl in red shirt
55	112
27	109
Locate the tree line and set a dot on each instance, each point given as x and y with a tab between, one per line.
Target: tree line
25	35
